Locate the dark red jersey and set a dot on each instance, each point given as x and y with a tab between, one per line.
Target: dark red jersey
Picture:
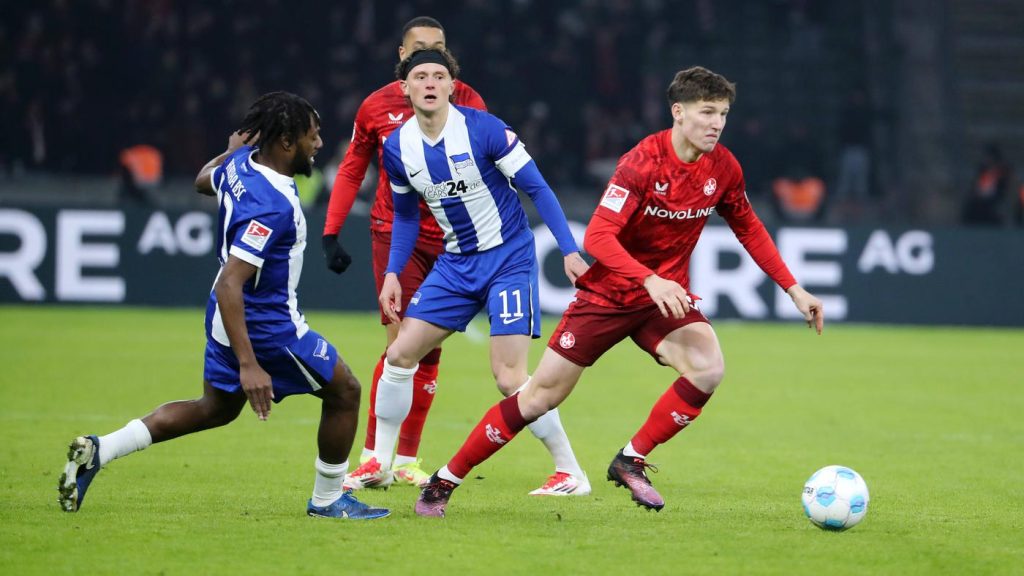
378	115
653	212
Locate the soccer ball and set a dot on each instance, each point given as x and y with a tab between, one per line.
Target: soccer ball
835	498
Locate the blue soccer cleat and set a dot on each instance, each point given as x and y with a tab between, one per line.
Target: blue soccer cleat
347	507
83	465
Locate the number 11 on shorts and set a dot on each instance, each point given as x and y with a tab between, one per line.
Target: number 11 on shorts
506	316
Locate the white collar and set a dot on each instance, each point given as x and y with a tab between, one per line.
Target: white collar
284	184
454	117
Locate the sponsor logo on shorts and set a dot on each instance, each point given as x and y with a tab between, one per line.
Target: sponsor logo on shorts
614	198
494	435
256	235
681	420
567	340
415	299
710	186
321	350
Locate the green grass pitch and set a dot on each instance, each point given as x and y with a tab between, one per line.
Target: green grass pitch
931	417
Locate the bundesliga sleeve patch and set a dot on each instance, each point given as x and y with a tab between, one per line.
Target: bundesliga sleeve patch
614	198
256	235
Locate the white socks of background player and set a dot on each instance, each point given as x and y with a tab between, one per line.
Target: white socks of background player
548	429
394	399
329	477
132	438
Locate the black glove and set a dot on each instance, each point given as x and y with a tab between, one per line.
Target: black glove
334	254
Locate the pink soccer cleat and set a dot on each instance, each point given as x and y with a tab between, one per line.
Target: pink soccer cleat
629	472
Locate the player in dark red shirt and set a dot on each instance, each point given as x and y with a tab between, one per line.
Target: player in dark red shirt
642	234
380	114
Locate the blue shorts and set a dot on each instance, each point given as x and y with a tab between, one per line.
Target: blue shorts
503	279
304	366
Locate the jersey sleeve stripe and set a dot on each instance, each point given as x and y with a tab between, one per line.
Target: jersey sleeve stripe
249	257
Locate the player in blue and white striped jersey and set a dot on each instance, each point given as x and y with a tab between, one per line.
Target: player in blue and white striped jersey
259	347
466	165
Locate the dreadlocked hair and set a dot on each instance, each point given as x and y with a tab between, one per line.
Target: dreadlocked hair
278	114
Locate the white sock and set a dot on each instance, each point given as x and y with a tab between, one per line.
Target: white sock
394	399
548	429
327	486
447	475
366	454
132	438
631	452
403	460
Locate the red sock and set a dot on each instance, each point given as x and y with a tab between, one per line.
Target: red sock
424	383
677	407
371	422
499	426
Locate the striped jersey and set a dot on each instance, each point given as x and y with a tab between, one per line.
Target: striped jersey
260	221
463	176
380	114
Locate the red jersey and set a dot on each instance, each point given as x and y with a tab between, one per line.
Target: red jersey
652	213
378	115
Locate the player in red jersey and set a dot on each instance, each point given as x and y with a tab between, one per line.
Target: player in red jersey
642	234
380	114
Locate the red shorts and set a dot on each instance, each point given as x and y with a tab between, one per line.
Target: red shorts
420	263
588	330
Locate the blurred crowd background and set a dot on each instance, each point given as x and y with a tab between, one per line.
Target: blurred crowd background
865	111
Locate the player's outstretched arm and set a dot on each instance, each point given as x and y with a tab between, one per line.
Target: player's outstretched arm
808	305
204	184
255	381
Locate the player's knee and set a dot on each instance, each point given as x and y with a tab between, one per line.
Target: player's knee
508	383
533	408
218	412
538	400
344	388
399	359
346	380
708	377
535	403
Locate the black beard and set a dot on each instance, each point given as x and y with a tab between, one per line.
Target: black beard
303	165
